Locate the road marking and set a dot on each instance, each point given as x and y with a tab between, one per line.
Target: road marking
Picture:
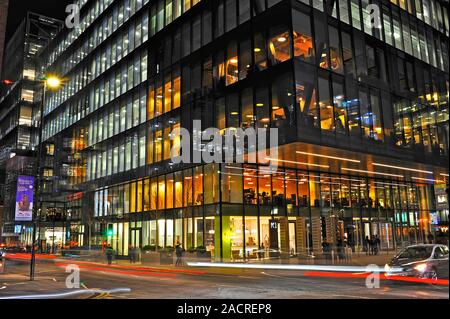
271	275
69	294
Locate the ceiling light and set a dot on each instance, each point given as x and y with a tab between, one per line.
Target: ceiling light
402	168
369	172
292	162
427	179
330	157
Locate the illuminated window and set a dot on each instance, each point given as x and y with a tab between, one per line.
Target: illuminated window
169	191
279	45
158	146
187	187
198	185
303	42
159	100
167	95
306	95
176	92
232	70
161	193
326	109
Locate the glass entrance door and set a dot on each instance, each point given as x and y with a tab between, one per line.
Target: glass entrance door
135	237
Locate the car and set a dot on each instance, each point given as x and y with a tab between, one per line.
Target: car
421	261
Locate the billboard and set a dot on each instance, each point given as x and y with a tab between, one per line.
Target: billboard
24	198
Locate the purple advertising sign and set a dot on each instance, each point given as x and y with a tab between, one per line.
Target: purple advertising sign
24	198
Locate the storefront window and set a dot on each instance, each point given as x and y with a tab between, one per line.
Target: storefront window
251	237
161	233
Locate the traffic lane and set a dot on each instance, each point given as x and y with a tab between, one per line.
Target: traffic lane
236	284
251	284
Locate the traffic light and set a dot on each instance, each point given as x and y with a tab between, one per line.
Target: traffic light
7	82
109	231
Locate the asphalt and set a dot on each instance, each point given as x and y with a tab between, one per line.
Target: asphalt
205	283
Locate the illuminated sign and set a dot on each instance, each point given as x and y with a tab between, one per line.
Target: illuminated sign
24	198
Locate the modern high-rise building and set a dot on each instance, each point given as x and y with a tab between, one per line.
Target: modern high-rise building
20	94
358	93
3	19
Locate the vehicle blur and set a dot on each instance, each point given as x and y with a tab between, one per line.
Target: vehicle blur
422	261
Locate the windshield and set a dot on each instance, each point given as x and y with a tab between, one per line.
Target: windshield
416	252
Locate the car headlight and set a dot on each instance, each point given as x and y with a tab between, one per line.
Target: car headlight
421	267
387	267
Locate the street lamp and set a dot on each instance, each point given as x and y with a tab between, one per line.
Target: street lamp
53	83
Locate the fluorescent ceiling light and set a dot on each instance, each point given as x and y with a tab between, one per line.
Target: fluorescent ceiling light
402	168
330	157
427	179
369	172
299	163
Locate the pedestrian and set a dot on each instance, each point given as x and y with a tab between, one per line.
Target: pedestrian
340	250
131	255
373	246
326	251
109	254
367	245
137	254
179	253
378	242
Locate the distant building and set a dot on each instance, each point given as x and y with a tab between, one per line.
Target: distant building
19	110
3	21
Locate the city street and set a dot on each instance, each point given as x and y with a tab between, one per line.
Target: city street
207	283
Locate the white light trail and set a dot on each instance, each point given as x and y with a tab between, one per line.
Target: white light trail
358	269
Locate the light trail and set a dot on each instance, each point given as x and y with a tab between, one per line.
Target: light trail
120	272
384	277
342	269
70	294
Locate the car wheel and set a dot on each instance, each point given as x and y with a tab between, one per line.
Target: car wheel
432	274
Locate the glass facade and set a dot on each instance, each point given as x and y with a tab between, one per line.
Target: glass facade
330	82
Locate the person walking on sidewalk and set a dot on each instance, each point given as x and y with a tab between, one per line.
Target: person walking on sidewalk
373	246
326	249
367	245
109	254
378	242
340	250
179	253
132	254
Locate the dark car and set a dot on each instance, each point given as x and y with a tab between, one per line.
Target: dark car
422	261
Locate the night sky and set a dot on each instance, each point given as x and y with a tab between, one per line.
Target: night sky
18	9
